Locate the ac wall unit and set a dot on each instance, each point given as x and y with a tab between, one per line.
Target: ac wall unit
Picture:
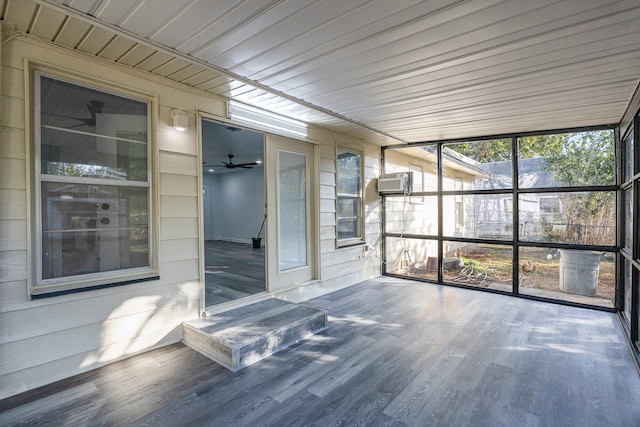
395	183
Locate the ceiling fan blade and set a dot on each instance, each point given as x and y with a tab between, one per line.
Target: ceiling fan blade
231	165
78	119
241	165
94	107
79	125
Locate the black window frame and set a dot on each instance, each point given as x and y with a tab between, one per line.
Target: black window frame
515	191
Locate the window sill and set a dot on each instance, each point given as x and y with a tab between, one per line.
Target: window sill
346	243
49	292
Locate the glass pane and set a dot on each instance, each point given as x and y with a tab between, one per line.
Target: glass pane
412	257
628	219
478	165
478	216
81	155
628	270
637	312
82	109
581	218
572	159
404	217
480	265
348	217
628	157
586	277
420	160
85	252
92	229
292	210
349	176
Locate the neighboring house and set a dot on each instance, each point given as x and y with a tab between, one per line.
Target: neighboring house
418	215
536	209
472	216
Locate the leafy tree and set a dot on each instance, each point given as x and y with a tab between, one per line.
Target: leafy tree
496	150
542	146
587	158
574	160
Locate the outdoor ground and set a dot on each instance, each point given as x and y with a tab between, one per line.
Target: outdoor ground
491	266
547	273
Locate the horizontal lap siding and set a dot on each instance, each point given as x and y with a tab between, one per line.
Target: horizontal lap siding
13	265
84	361
342	267
14	235
48	339
52	338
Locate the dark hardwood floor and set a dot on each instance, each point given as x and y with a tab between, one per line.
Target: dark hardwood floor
232	271
396	353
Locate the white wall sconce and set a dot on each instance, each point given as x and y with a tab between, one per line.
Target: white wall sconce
180	120
265	119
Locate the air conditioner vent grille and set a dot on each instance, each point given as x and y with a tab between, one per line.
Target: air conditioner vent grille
394	183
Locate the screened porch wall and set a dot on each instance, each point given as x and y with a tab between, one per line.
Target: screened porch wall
628	301
489	221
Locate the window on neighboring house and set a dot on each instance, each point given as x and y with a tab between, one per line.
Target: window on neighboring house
92	187
508	205
549	208
459	205
417	183
349	196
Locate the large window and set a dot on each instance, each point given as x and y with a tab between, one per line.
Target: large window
92	187
349	196
530	215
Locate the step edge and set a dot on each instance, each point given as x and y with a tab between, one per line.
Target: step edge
277	349
284	328
294	323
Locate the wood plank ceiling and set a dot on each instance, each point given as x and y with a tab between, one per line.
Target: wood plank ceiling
388	71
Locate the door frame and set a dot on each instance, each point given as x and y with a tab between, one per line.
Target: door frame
314	218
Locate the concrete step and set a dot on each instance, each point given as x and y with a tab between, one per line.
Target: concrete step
240	337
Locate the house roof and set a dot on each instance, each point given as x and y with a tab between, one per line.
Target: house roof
390	72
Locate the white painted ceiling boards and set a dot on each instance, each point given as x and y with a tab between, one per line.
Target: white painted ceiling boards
389	71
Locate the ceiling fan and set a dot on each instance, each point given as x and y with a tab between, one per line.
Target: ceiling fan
94	107
231	165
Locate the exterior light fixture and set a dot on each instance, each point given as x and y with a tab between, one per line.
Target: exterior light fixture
265	119
180	120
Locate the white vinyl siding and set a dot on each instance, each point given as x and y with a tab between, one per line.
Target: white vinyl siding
86	330
52	338
417	183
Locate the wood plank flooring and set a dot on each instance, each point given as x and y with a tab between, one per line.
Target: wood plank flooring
396	353
232	271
